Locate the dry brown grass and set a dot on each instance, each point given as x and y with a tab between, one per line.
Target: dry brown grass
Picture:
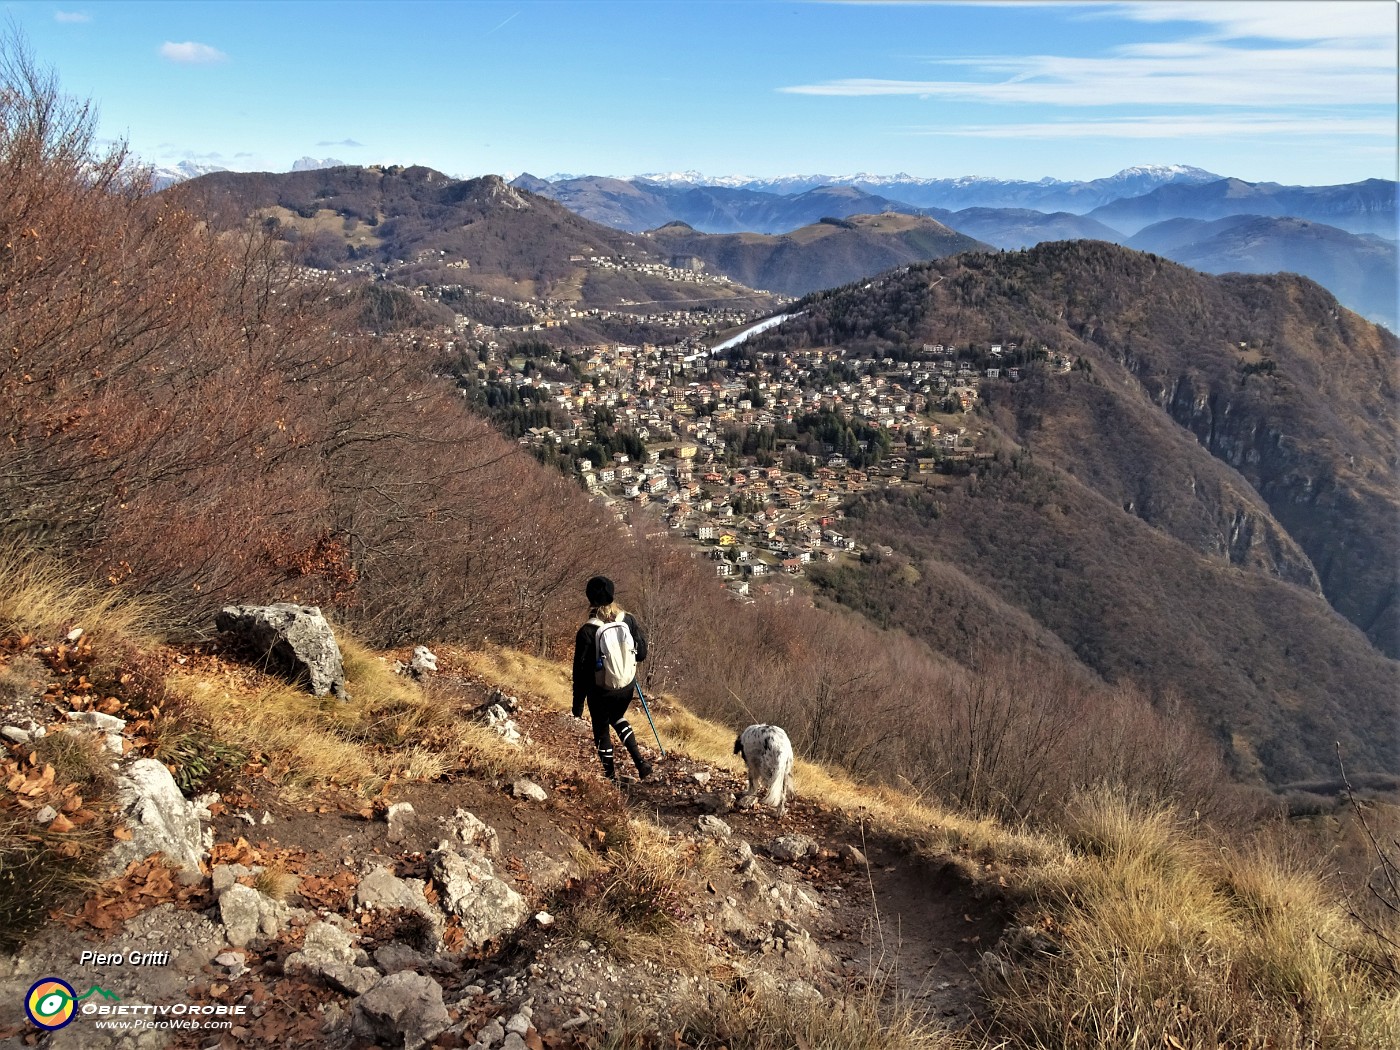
635	898
927	829
1168	939
391	728
518	672
39	595
310	742
861	1020
275	881
23	678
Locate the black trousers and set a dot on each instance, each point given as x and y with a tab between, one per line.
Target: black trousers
608	712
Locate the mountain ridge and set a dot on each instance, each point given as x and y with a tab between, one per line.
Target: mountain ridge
830	252
1244	418
1368	206
481	234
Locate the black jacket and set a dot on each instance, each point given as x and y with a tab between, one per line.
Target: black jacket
586	660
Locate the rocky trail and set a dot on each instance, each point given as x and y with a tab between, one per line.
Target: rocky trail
482	909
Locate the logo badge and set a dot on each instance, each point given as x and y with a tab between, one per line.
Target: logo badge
50	1003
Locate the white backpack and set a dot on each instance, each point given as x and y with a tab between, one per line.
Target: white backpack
616	666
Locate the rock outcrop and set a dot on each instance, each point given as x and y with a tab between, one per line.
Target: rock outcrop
328	953
160	819
296	639
249	915
469	889
403	1009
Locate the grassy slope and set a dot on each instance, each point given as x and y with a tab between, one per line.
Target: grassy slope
1147	930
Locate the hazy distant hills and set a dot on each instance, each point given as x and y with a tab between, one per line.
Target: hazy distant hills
1171	508
828	253
1333	242
1124	203
1359	270
1359	207
1023	227
638	205
968	191
779	206
479	233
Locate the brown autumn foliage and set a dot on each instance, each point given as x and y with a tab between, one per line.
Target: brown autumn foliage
188	414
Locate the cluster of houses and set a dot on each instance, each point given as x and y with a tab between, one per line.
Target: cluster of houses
688	274
756	521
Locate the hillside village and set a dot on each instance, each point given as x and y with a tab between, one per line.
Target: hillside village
724	456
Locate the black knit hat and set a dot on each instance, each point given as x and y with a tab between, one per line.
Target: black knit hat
599	591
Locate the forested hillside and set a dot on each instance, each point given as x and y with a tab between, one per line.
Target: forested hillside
831	252
1249	421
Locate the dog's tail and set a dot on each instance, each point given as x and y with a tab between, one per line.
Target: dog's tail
781	783
739	744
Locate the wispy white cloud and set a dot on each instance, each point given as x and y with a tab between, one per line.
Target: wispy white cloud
71	17
347	143
1239	19
1232	54
192	53
1228	19
1153	74
1173	127
508	18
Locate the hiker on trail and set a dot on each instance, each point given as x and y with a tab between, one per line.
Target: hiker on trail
606	652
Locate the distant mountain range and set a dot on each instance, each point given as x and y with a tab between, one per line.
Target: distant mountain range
638	205
1358	207
822	255
167	176
1125	202
1340	236
966	191
312	164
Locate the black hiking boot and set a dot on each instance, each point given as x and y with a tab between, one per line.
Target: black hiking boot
643	766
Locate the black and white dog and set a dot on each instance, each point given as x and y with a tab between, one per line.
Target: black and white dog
767	752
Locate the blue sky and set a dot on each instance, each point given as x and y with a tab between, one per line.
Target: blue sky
1296	92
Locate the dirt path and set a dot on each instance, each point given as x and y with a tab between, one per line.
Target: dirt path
824	922
921	925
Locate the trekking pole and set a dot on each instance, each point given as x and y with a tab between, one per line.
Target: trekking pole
647	711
